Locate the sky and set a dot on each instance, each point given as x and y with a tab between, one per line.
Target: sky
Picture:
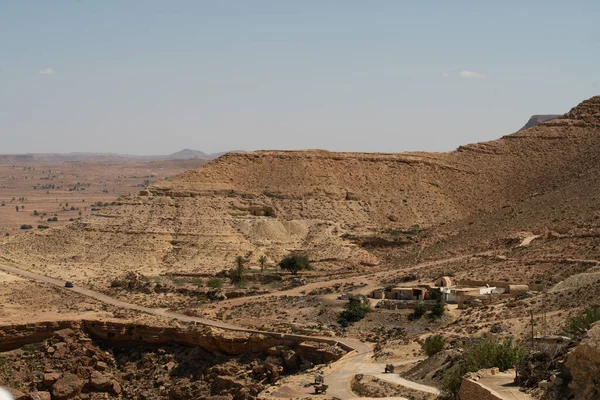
154	77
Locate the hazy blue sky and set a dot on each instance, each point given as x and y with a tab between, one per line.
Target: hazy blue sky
148	77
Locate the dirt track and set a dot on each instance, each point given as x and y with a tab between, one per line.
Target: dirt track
338	380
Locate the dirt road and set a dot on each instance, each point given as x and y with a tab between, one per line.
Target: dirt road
338	380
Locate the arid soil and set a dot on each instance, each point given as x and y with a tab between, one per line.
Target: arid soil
71	190
370	386
327	203
519	210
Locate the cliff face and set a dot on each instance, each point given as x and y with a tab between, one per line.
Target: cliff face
274	202
584	365
110	359
209	339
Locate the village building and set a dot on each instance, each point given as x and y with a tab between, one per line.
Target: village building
400	293
463	293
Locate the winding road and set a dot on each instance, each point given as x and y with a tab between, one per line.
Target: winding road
338	380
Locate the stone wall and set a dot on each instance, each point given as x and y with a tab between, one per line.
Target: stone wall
15	336
472	390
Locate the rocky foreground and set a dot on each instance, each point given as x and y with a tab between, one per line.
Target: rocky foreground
75	363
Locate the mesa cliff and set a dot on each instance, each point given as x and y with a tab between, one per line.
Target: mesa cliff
274	202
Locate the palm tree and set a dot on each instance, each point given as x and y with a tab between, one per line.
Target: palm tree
262	260
237	273
239	262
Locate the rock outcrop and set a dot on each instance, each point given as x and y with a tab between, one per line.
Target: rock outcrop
273	202
112	360
583	364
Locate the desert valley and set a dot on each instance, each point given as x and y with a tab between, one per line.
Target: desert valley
312	274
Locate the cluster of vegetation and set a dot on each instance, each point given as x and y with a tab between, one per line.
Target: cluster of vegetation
52	219
487	352
214	283
578	326
410	232
295	263
262	261
419	310
437	311
26	226
355	310
236	274
42	227
433	344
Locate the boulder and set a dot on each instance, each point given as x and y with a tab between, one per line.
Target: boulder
61	350
226	384
290	358
51	377
65	335
67	387
583	364
40	396
103	382
101	366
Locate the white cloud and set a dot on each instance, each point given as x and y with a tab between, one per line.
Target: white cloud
471	74
47	71
446	74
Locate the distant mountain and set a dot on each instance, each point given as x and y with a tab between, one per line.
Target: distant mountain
58	158
187	154
538	119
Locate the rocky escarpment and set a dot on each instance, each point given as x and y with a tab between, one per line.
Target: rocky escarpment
583	364
274	202
113	360
233	343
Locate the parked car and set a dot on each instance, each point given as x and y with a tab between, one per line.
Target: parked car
69	284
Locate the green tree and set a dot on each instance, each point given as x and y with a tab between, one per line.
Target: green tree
433	344
295	263
419	310
236	275
262	261
355	310
438	309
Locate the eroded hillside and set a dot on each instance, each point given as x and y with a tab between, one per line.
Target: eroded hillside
274	202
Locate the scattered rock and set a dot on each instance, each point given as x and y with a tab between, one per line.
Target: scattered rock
67	387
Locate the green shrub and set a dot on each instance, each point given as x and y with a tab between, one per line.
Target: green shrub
578	326
418	311
214	283
438	309
355	311
487	352
295	263
433	344
25	226
43	227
